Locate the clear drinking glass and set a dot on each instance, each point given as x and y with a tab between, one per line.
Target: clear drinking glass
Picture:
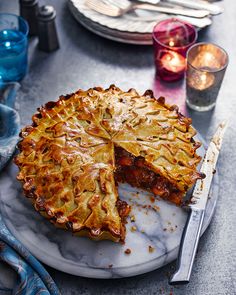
206	66
13	47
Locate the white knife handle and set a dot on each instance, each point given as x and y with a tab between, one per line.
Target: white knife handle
188	247
212	8
170	10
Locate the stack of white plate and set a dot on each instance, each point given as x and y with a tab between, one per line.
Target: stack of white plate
134	28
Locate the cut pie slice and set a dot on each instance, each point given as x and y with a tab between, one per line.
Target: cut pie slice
79	148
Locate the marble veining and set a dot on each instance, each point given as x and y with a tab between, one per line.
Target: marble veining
156	223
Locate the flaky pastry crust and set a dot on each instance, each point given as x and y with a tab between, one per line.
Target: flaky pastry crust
67	163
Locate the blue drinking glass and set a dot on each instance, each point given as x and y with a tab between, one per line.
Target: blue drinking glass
13	47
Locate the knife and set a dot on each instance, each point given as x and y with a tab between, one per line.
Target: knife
214	9
191	234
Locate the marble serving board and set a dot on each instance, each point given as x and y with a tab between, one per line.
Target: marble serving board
153	235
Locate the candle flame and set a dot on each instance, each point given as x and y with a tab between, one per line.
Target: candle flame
208	57
173	62
203	77
201	81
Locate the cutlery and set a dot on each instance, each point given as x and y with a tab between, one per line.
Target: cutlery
191	234
214	9
116	11
197	22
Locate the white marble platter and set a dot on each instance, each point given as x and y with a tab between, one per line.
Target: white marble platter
159	224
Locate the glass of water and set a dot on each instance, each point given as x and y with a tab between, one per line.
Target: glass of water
13	47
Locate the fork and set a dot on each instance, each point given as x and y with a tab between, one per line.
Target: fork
116	11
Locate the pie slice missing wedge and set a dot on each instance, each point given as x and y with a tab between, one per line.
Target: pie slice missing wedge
79	148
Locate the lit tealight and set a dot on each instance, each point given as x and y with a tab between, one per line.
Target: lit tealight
201	81
206	65
208	57
173	62
171	40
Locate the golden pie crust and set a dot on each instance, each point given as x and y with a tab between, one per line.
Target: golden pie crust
67	156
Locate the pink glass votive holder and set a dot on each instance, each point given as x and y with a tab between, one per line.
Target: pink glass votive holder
171	40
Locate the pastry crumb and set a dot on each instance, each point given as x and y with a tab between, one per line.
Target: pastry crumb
132	218
127	251
152	199
156	208
151	249
133	228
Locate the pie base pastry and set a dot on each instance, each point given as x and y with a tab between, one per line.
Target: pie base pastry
78	149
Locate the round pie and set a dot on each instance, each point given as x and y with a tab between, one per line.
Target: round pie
79	148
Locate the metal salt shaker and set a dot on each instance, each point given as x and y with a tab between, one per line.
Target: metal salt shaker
29	10
47	33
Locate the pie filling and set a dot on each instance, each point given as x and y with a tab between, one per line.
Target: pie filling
135	171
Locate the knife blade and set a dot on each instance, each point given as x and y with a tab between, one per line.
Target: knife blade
202	187
192	231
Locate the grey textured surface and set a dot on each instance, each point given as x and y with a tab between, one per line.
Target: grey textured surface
86	60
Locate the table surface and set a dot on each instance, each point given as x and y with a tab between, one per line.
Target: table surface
85	60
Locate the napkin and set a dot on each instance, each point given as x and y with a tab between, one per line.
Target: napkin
9	121
28	281
32	277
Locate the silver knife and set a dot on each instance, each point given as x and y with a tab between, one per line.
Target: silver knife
214	9
200	4
191	234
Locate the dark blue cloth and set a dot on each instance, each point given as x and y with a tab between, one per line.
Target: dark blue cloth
32	276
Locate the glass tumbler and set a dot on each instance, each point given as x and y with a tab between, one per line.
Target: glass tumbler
13	47
206	66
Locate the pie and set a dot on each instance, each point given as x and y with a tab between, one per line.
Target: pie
79	148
